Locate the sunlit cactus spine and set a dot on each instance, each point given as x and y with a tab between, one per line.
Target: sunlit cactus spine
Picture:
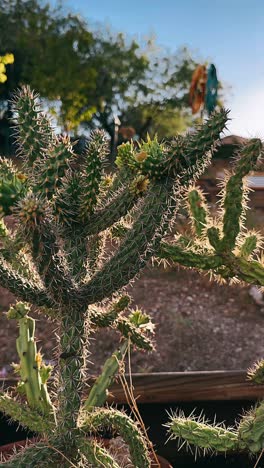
64	209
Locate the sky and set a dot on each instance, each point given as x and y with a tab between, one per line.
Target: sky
228	33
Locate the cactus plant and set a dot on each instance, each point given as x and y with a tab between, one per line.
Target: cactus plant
54	260
65	207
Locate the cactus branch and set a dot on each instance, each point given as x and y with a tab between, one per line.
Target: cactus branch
128	430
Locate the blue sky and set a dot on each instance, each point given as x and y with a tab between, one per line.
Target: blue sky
230	33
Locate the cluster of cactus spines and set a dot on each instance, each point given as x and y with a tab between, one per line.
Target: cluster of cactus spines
64	211
100	389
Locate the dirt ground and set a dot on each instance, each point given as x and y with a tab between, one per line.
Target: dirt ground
200	325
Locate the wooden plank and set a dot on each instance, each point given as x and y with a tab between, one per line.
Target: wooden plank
164	387
190	386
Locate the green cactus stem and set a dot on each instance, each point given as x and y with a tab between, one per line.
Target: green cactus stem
92	173
198	210
34	133
26	416
30	361
96	454
203	435
23	287
35	455
233	204
129	431
138	246
49	171
99	391
251	429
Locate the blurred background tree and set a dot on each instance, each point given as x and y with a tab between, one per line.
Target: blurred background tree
88	76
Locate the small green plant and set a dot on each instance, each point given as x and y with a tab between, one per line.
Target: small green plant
55	259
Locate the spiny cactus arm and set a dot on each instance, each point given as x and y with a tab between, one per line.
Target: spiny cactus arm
235	193
118	207
75	246
51	262
125	426
95	249
92	171
106	318
39	454
22	287
52	167
198	210
228	266
66	201
197	432
34	132
251	430
188	258
249	271
95	454
157	210
184	153
30	361
47	254
26	416
134	333
249	245
99	391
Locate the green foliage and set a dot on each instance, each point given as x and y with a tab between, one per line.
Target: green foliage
65	213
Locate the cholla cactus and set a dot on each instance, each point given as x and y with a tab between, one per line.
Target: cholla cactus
54	260
225	248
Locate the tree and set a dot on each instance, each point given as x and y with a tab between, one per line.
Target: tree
87	77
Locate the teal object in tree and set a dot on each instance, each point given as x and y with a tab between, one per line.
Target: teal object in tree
211	89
